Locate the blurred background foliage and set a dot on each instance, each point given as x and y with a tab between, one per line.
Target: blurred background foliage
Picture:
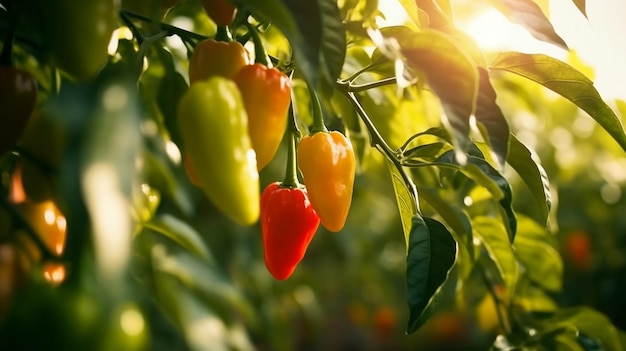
196	280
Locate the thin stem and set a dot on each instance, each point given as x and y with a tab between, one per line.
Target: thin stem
291	173
379	83
377	141
354	76
260	54
318	116
223	34
502	318
145	45
171	29
129	23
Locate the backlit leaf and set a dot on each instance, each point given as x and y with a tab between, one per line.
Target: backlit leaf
566	81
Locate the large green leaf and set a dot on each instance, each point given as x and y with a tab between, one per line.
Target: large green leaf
301	23
438	17
432	253
493	236
316	34
489	116
410	6
528	14
211	287
483	173
542	262
532	173
333	51
453	216
181	233
566	81
406	198
449	71
593	324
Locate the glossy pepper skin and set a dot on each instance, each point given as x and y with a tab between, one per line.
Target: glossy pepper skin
328	164
266	94
77	34
18	95
214	129
222	12
288	223
217	58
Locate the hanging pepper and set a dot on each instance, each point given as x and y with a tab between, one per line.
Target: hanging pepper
288	220
217	58
288	224
214	129
222	12
328	167
266	94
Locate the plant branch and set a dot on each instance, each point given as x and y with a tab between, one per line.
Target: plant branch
171	29
355	88
502	318
377	141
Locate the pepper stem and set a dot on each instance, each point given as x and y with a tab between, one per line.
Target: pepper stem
260	54
223	34
291	173
318	117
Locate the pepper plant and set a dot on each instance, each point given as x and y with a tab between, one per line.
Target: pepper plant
157	125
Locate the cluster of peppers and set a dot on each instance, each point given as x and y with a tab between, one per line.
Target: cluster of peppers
232	120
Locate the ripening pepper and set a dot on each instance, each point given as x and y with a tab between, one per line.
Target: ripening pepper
266	93
213	127
18	95
288	223
327	164
77	34
217	58
222	12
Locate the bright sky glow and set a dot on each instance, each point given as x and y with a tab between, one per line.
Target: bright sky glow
597	39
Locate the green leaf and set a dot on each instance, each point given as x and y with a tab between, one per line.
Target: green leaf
438	17
489	116
453	216
493	236
191	316
410	6
432	253
532	173
566	81
528	14
406	198
181	233
333	51
542	262
426	151
449	71
593	324
213	289
301	23
483	173
580	4
171	88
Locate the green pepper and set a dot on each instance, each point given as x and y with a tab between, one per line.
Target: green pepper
18	94
77	34
213	125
